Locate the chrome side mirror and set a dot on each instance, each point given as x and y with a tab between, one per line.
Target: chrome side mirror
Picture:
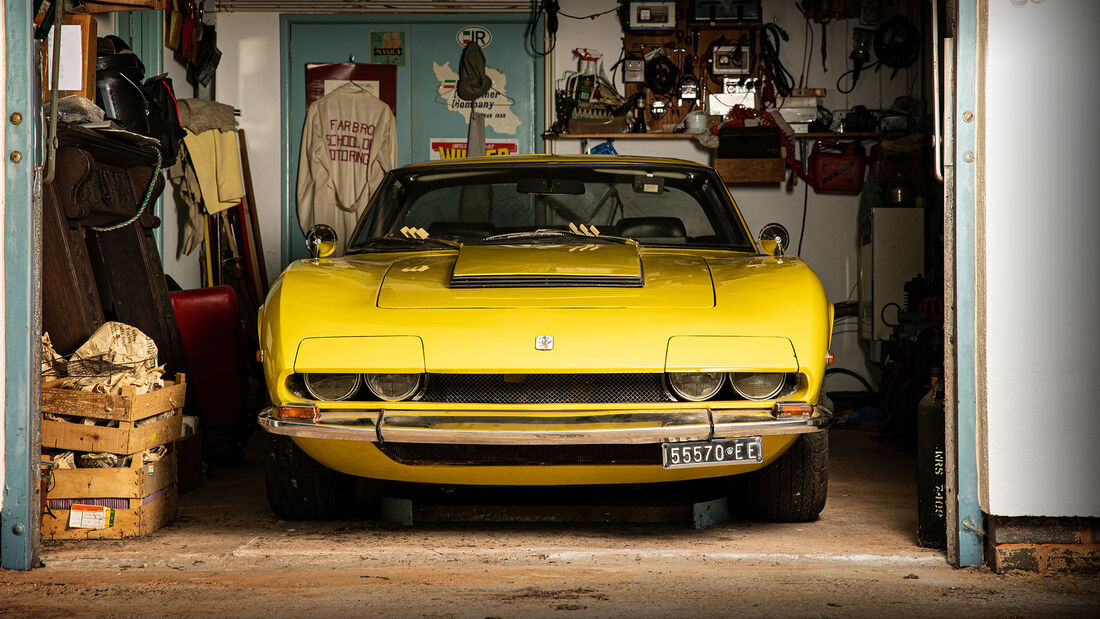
321	241
774	239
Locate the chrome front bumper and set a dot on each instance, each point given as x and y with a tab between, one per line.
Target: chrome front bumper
543	428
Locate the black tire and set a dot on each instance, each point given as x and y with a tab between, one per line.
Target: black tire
793	488
300	488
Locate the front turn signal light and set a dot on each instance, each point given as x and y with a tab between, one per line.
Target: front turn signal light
299	412
787	410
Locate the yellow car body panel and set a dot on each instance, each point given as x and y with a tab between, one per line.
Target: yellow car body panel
718	353
573	259
377	354
393	312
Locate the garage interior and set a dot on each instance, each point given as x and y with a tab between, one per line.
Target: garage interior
963	472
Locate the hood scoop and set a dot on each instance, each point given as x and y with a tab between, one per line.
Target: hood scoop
566	265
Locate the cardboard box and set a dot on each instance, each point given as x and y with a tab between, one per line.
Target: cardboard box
79	59
143	497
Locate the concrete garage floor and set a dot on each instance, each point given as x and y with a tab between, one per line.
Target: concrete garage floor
227	555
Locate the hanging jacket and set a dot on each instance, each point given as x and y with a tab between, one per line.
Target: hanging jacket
349	142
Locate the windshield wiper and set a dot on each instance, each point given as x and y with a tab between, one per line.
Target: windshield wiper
394	239
553	232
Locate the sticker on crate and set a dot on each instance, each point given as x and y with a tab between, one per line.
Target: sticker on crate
83	516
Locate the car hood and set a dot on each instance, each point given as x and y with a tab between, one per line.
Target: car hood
547	275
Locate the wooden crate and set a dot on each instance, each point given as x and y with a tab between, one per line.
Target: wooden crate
128	406
125	439
148	492
127	409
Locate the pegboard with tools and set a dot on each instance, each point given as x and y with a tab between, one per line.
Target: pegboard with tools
677	53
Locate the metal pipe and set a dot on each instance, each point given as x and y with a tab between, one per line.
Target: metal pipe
937	127
55	81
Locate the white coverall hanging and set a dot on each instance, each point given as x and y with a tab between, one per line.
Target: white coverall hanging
349	142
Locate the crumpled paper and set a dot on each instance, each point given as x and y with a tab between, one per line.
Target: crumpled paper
116	356
53	364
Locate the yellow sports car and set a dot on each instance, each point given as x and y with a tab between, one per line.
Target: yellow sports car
543	320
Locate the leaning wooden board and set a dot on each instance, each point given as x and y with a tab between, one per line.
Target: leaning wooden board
126	407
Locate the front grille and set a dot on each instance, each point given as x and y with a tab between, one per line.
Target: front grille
545	389
522	455
546	281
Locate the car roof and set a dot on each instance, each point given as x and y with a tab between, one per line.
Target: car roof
553	159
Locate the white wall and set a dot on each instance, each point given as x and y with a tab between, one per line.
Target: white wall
183	269
248	79
1039	451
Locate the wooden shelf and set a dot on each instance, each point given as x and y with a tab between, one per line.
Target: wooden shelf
617	136
835	135
654	135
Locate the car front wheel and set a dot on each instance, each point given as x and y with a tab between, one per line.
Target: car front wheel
300	488
793	488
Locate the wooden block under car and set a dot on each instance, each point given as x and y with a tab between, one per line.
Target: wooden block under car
143	496
138	426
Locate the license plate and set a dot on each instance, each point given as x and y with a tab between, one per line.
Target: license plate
709	453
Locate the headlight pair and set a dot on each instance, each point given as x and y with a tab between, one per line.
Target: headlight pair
337	387
699	386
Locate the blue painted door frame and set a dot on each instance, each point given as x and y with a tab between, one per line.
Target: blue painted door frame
19	517
969	526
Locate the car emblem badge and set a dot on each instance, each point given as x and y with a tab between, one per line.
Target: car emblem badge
544	342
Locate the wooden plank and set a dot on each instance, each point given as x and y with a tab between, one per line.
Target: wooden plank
124	5
139	521
79	437
771	170
251	222
126	407
132	482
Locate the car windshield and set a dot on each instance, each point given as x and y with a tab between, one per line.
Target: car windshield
659	205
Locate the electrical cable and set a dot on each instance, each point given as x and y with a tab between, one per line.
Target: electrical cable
592	16
531	33
852	71
897	43
777	74
660	74
802	230
855	375
882	314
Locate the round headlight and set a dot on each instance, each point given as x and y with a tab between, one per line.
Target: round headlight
695	386
331	387
393	387
757	385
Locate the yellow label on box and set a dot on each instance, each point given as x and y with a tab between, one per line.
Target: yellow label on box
91	517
